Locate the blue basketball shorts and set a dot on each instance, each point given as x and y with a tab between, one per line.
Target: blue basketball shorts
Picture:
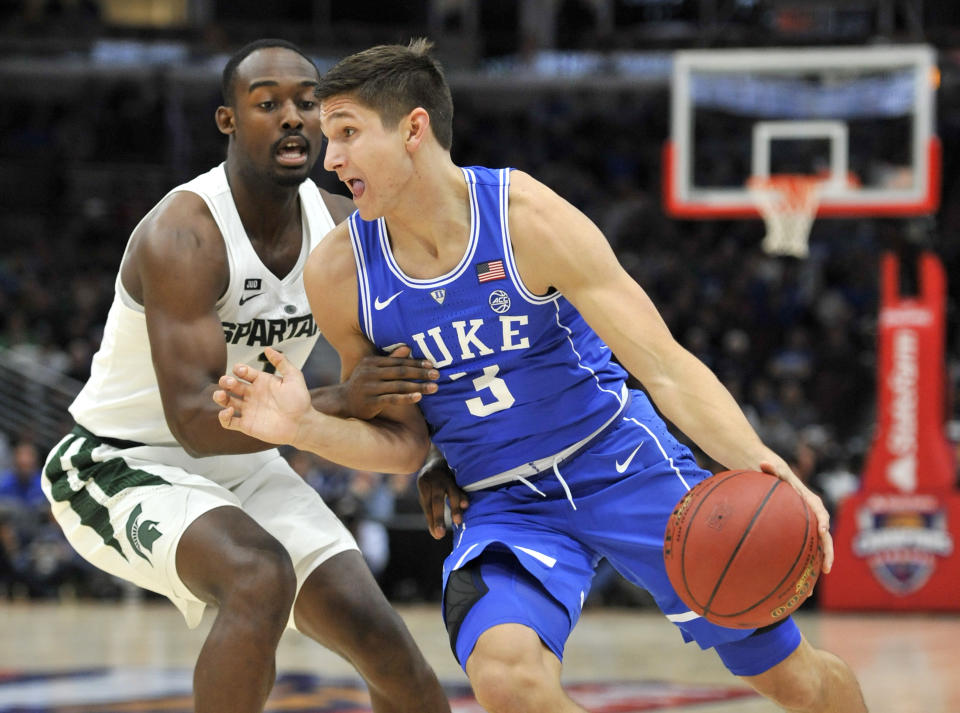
526	552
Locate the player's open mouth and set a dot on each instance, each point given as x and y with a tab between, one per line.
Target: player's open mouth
356	187
292	152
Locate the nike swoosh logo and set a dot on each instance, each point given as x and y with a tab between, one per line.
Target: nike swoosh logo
244	300
626	464
378	305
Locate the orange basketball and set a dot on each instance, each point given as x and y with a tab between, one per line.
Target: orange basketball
742	549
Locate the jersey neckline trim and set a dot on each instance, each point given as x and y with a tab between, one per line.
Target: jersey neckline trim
456	272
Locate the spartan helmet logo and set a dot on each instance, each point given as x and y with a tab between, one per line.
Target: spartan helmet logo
142	535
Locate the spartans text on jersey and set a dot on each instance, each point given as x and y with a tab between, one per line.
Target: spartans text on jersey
266	332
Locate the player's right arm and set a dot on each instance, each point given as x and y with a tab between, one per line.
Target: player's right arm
276	407
176	267
558	246
377	379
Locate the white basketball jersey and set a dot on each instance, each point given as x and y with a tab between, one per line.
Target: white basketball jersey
122	399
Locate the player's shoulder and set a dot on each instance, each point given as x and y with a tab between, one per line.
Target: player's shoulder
330	279
180	211
178	236
533	205
180	222
524	187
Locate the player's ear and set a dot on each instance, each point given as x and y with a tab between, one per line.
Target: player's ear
224	119
415	127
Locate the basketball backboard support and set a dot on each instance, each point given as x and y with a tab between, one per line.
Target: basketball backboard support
859	118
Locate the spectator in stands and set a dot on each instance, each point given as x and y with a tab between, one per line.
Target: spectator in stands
34	557
20	484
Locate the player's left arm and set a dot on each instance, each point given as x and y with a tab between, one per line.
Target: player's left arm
277	408
377	380
558	246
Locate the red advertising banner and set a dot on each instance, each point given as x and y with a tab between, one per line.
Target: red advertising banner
896	539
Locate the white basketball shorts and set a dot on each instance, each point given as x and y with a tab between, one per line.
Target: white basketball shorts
124	507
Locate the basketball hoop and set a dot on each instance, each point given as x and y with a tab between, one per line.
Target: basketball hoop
788	203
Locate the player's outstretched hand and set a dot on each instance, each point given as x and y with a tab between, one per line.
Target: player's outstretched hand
815	502
436	485
268	407
380	381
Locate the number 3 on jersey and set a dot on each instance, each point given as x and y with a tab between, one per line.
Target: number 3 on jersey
503	399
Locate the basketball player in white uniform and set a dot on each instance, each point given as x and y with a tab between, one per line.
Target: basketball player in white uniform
150	488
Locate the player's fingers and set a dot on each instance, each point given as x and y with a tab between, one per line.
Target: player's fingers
279	361
390	389
387	388
437	502
286	370
230	385
410	370
791	479
425	491
827	540
816	504
388	368
229	400
458	503
402	351
771	469
225	417
379	402
244	372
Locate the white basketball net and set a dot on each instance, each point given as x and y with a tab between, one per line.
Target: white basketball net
788	204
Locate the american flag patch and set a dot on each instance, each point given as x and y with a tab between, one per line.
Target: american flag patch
492	270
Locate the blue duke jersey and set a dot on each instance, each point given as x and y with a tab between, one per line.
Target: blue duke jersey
522	377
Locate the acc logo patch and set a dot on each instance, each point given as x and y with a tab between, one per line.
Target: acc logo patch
499	301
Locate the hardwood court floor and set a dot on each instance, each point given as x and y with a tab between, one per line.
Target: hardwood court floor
619	660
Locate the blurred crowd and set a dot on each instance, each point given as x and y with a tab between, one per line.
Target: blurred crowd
793	340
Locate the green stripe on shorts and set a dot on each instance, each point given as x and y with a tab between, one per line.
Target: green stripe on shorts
112	476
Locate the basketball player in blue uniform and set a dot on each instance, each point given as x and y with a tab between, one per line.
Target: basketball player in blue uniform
517	300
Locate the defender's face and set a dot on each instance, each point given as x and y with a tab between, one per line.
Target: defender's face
276	118
369	158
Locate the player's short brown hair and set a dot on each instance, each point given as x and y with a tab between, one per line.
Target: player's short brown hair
393	80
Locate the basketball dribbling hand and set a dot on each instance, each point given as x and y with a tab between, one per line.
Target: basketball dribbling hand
816	504
268	407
